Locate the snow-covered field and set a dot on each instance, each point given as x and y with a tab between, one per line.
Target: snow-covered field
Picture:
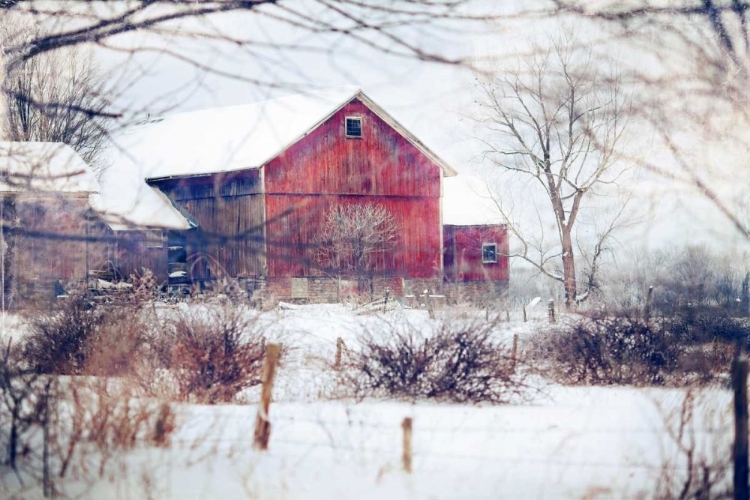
567	443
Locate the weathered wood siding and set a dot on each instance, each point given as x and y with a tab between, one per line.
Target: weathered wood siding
229	211
462	253
50	239
139	250
326	167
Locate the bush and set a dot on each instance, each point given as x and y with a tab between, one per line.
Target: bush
603	348
212	354
59	341
708	324
84	338
460	361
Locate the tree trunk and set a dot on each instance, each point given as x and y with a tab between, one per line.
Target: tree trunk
8	248
569	270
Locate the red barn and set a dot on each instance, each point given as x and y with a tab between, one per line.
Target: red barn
246	192
475	259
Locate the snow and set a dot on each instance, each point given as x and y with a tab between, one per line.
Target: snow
44	166
533	302
212	141
568	443
228	138
128	203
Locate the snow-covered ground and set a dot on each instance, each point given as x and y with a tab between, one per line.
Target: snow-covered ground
567	443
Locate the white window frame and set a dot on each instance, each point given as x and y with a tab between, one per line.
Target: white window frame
487	261
346	128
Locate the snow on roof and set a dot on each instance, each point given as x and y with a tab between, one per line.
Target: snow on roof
45	167
217	140
142	206
467	201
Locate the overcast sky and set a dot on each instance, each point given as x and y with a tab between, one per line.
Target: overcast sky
431	100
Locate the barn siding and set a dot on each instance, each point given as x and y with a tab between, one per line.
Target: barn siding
326	167
293	222
50	237
135	253
382	162
462	251
229	211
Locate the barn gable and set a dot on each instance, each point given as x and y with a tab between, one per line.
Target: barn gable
381	160
377	165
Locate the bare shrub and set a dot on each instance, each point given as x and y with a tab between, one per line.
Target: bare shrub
694	275
708	324
58	341
98	419
118	343
460	361
24	395
604	348
145	288
83	338
697	468
55	427
212	353
351	240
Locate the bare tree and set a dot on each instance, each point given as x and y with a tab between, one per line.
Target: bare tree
56	97
557	121
696	97
350	238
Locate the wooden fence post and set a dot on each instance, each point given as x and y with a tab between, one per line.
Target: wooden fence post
551	311
406	456
339	351
507	316
647	308
385	301
524	314
262	422
428	302
740	454
514	352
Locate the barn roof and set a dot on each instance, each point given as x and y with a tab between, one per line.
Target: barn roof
240	137
217	140
44	167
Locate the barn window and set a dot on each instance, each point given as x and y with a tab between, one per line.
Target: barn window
154	239
489	253
353	126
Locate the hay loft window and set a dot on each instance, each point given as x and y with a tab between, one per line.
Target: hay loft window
489	253
353	126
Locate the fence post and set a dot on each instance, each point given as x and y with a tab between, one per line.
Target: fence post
406	456
551	310
647	308
740	454
524	314
507	316
47	490
428	302
514	353
385	301
339	350
262	422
